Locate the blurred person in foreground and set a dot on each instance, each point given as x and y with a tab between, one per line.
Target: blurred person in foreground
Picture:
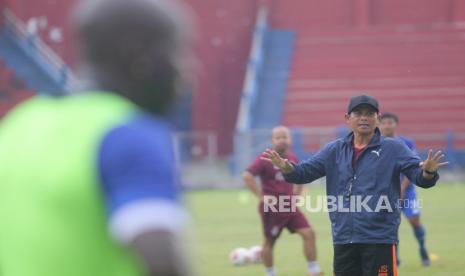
274	185
409	203
88	183
363	181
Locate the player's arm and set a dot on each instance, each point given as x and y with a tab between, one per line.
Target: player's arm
297	189
157	242
159	261
141	195
403	186
251	184
405	181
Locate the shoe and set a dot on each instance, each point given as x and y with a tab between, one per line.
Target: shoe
425	260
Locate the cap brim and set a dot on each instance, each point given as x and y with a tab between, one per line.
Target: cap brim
364	104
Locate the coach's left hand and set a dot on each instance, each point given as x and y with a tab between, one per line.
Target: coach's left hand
432	163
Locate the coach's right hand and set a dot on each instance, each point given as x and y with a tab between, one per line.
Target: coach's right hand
274	158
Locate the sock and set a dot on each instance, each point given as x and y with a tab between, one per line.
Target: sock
314	267
270	271
420	235
397	254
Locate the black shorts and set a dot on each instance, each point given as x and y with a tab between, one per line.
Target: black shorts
365	260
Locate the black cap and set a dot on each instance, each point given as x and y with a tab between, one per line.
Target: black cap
362	99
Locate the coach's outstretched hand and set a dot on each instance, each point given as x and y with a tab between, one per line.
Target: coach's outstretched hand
274	158
433	162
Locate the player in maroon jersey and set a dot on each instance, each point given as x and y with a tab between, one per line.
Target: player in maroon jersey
273	185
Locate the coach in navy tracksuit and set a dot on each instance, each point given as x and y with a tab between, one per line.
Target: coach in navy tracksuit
363	172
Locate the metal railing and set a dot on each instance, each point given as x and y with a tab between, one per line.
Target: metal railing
40	52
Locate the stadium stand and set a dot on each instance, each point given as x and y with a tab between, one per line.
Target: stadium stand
409	56
268	106
419	74
408	53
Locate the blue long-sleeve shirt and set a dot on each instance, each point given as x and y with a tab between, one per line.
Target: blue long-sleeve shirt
376	174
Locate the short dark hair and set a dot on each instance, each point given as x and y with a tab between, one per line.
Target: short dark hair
132	48
389	115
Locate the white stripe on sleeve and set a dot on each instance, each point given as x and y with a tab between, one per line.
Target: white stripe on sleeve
141	216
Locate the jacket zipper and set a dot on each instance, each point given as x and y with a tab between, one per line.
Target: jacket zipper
349	194
352	180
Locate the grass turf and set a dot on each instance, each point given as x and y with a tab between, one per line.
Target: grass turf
223	220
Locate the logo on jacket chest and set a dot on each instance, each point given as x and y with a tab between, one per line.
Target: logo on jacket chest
377	152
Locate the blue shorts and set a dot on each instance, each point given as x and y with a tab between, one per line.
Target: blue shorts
410	206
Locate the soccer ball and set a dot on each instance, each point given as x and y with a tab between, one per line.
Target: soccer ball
240	256
255	253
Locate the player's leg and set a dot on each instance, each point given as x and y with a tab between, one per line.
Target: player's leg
405	211
308	238
299	224
420	233
347	260
272	227
267	255
378	259
412	213
309	245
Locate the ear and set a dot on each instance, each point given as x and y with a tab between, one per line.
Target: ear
347	117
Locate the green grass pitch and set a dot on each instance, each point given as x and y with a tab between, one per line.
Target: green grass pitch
223	220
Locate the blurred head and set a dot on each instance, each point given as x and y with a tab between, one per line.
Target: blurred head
134	48
388	123
362	114
281	139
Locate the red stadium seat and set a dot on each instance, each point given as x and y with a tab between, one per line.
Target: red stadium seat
408	72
